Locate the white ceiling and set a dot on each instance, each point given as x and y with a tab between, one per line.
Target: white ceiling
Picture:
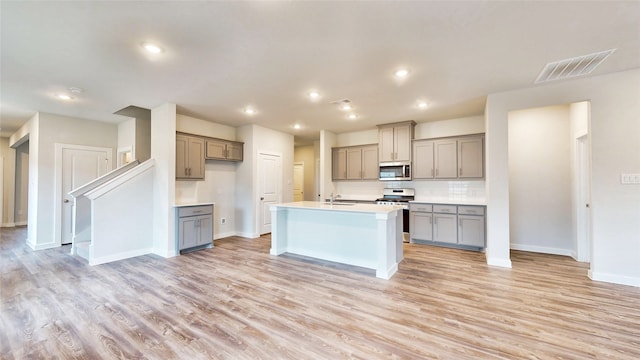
223	56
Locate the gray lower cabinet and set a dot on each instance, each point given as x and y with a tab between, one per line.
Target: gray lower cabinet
460	226
471	228
194	226
421	222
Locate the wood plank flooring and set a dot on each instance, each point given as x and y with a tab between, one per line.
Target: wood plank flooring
235	301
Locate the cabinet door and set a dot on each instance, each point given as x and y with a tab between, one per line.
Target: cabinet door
188	232
470	157
370	165
205	230
181	157
216	149
196	158
386	150
423	160
471	230
235	151
421	225
354	163
402	142
445	228
339	164
446	159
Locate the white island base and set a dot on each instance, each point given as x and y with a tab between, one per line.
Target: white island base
364	235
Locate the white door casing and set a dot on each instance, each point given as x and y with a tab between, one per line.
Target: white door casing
583	191
75	165
269	175
298	181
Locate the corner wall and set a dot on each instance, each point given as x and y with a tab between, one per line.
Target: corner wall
615	149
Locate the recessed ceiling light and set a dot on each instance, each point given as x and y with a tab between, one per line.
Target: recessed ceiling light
401	73
345	106
63	97
249	111
152	48
296	126
353	116
422	104
314	95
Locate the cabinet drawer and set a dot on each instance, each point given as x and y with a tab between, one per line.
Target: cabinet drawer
421	207
195	210
447	209
471	210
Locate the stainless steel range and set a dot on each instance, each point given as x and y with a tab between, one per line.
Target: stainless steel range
400	196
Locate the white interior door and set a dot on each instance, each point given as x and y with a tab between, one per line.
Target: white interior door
269	170
79	166
298	182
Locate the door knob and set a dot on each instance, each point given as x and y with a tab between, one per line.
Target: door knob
261	198
66	201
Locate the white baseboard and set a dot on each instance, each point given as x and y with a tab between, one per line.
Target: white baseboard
505	263
42	246
116	257
248	235
613	278
164	253
541	249
224	235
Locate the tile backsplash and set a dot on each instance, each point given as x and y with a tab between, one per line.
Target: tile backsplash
452	189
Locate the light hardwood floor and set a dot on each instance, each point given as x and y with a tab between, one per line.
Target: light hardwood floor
235	301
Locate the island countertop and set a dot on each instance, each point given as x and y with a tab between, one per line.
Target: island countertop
338	206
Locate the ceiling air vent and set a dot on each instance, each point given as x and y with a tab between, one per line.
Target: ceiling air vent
568	68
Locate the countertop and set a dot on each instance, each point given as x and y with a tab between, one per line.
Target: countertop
337	206
193	204
450	201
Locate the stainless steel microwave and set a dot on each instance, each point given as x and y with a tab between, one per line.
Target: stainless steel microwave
395	171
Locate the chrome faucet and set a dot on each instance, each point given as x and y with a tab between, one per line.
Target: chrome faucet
332	198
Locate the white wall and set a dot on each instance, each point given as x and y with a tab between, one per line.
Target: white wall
364	137
615	149
44	131
450	127
219	184
163	151
259	139
540	190
22	184
327	141
7	197
127	133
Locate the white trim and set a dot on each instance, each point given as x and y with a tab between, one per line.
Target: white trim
120	179
165	253
248	235
613	278
115	257
541	249
224	235
57	210
505	263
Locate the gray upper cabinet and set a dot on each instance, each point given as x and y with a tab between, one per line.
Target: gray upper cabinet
339	164
355	163
394	141
470	157
449	158
423	167
189	157
445	159
218	149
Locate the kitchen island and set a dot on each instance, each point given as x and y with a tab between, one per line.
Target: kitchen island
365	235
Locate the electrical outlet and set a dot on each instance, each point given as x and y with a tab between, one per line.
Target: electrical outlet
630	178
223	221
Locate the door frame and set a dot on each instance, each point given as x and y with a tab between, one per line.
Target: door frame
57	193
583	199
258	202
300	164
